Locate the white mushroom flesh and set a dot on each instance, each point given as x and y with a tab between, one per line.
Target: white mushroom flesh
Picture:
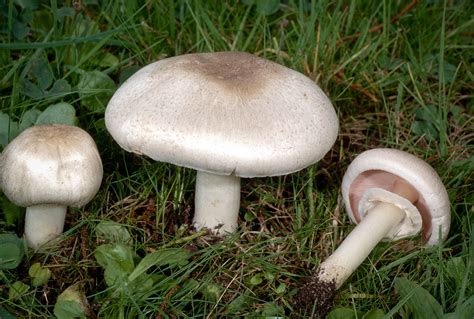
217	202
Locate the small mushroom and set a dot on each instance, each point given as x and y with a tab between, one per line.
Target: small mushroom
228	115
45	169
391	195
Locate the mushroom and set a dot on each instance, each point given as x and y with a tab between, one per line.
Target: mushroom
228	115
391	195
45	169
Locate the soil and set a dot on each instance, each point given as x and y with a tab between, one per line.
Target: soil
316	297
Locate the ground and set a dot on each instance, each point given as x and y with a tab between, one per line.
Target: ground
399	75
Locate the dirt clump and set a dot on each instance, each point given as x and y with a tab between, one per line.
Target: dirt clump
316	298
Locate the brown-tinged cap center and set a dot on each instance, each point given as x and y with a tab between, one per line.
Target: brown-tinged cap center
237	71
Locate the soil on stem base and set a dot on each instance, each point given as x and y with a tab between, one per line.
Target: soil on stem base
316	296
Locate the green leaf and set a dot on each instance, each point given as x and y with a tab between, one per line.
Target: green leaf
466	311
68	309
9	256
60	87
95	89
162	257
17	290
26	15
39	275
281	289
27	4
266	7
470	258
427	122
85	26
108	60
20	30
112	232
342	313
211	291
60	113
248	216
65	12
142	285
128	72
189	285
269	276
11	251
31	90
8	129
374	314
117	260
456	268
458	115
71	303
272	309
13	214
43	20
419	302
29	118
238	304
4	314
42	71
256	280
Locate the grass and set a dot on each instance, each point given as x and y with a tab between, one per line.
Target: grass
396	80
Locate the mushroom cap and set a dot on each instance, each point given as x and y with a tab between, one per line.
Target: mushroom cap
376	170
223	113
51	164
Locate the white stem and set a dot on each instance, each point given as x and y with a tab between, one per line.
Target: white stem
43	223
217	202
359	243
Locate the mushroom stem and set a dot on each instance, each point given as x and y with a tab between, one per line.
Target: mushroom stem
359	243
377	224
318	294
43	223
379	221
217	202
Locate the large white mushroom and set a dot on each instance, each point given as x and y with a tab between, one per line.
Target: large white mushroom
228	115
45	169
391	195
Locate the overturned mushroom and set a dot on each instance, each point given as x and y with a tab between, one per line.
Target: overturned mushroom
391	195
228	115
45	169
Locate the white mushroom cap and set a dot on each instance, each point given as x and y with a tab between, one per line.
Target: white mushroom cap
223	113
379	169
51	164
